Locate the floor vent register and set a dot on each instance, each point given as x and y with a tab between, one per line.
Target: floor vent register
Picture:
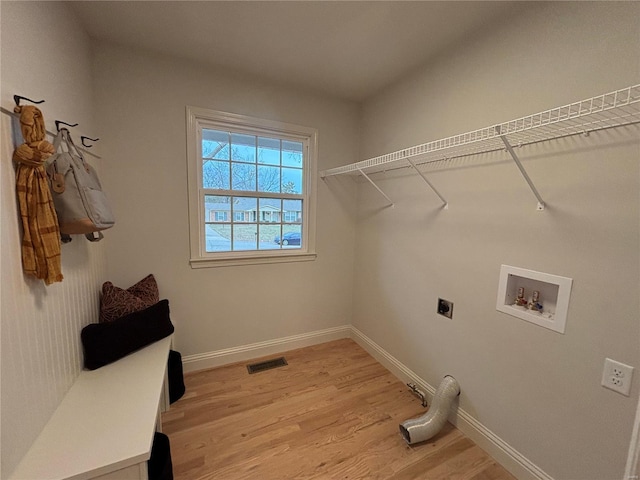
266	365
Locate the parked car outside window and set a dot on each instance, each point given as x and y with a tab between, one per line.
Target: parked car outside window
291	238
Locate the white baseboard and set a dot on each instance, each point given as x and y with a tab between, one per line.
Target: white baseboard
512	460
218	358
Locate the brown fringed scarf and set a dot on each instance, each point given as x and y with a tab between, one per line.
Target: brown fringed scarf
41	234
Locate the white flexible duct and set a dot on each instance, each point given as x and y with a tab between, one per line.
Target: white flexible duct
428	425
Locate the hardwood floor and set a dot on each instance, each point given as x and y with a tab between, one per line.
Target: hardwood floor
331	413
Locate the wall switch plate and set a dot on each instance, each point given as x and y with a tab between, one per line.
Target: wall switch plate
617	376
445	308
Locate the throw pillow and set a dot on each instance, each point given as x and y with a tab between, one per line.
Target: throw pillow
117	302
146	290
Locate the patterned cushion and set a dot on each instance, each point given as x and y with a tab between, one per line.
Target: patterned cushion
116	302
146	290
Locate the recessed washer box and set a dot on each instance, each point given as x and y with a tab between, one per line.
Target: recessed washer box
554	296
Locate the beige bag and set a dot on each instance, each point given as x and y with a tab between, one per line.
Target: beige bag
81	205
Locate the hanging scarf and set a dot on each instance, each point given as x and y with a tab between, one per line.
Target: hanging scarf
41	234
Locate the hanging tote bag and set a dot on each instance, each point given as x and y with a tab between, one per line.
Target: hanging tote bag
81	205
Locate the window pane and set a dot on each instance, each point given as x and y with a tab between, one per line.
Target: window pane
291	154
269	237
243	148
245	237
218	237
215	207
292	211
268	179
215	144
291	180
269	151
245	208
292	235
270	210
215	174
243	176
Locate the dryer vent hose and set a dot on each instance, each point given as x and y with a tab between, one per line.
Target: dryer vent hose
428	425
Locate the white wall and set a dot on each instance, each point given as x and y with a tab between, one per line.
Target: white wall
536	389
141	98
44	56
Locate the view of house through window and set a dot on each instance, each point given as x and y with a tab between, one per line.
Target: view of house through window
258	223
254	186
251	189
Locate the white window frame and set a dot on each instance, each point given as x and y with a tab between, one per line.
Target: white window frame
201	118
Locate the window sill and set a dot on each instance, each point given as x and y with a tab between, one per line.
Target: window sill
250	260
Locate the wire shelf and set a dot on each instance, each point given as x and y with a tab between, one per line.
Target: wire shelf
614	109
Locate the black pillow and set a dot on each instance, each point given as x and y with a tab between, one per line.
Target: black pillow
105	343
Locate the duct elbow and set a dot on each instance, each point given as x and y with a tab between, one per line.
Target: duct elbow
428	425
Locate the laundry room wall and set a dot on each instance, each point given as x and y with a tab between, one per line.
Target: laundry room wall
535	389
45	56
141	97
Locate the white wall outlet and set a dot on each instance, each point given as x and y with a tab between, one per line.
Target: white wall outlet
617	376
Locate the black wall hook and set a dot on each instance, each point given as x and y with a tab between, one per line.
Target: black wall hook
83	138
17	98
58	122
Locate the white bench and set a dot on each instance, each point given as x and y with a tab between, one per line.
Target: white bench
104	427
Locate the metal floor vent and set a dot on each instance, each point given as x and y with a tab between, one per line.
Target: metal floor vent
267	365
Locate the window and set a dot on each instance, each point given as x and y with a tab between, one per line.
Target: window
251	189
219	216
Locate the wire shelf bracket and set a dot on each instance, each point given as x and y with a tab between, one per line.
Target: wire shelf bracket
533	188
610	110
391	204
445	204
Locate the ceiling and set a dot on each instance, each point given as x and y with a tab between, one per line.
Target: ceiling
350	50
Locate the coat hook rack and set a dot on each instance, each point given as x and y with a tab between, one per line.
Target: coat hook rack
83	138
17	98
58	122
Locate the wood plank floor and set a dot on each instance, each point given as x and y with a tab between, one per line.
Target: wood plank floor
331	413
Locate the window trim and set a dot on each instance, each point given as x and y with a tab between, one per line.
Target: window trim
196	119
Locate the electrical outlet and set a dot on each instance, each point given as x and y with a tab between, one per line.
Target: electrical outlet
445	308
617	376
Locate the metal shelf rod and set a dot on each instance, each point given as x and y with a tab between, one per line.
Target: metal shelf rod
614	109
497	148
